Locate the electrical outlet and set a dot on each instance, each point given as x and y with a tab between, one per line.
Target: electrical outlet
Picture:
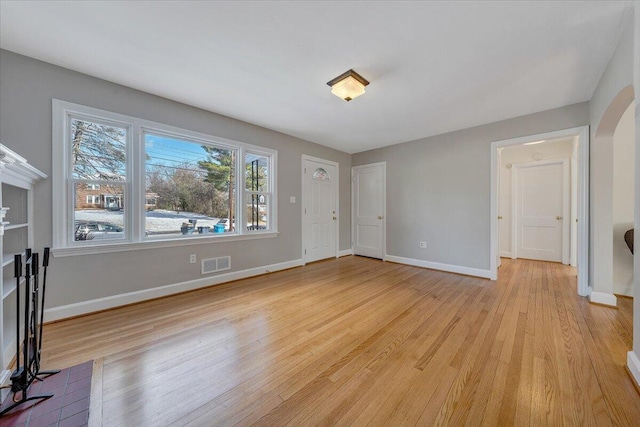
192	259
423	245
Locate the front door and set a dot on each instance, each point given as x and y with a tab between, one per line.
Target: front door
541	210
319	209
368	192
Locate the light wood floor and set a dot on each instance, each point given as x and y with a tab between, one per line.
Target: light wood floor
357	341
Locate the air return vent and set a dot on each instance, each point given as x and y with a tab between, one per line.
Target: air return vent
212	265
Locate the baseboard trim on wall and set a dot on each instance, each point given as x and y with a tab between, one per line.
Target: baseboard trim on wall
345	252
505	254
633	367
86	307
5	375
603	299
476	272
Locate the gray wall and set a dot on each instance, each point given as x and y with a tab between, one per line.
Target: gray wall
438	188
27	87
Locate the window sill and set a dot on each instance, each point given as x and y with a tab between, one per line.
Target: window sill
155	244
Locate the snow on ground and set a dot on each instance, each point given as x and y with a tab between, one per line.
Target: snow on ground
159	221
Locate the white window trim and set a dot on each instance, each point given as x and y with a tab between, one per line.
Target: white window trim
135	187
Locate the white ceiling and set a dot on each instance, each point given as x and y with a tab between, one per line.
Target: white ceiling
434	67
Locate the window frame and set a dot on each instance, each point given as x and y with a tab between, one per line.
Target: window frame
266	193
135	183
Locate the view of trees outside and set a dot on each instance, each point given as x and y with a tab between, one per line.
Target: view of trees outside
99	151
98	154
190	187
187	177
256	186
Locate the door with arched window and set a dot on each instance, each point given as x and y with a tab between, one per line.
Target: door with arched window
320	216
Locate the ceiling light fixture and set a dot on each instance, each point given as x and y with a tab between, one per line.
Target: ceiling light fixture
535	142
348	85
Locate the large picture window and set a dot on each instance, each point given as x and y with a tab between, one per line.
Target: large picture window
193	185
123	180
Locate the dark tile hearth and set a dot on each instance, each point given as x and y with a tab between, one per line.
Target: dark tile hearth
69	406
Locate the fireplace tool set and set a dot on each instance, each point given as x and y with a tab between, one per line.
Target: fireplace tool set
28	360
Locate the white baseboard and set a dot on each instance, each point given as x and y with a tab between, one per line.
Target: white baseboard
85	307
633	363
5	375
505	254
345	252
438	266
603	298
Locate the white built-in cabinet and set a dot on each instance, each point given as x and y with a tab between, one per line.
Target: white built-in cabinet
18	179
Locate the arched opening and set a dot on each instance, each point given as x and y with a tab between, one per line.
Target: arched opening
602	189
623	203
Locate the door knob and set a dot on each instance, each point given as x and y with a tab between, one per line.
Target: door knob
334	218
558	218
499	216
379	217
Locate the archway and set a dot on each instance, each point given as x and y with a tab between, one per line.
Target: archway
601	198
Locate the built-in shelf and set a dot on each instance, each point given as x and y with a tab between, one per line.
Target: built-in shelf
15	226
17	181
8	290
6	260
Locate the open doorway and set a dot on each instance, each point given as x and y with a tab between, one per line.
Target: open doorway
574	220
537	200
623	203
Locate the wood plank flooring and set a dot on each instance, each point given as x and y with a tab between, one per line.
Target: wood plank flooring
356	341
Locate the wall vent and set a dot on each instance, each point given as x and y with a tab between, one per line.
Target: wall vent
213	265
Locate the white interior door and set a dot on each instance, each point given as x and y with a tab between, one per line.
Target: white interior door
542	210
368	192
319	209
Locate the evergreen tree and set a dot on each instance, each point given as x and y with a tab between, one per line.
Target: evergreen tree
220	169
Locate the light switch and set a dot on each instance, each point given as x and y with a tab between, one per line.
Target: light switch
292	199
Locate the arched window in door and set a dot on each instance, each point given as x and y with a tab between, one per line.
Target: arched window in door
321	175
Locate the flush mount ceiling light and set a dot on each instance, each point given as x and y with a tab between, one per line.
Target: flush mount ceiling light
348	85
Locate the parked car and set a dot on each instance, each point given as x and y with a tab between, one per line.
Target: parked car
92	230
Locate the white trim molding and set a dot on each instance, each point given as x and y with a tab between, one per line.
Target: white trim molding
469	271
86	307
345	252
633	364
603	298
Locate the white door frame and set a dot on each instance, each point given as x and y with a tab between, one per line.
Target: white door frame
384	205
302	203
566	199
583	200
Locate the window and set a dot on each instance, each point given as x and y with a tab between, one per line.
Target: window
98	152
93	200
194	182
123	180
257	191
